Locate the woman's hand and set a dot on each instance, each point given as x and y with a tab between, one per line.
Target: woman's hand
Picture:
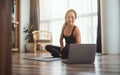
61	48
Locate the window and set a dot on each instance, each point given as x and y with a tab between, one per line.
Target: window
52	14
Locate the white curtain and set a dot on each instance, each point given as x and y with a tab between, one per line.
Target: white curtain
52	14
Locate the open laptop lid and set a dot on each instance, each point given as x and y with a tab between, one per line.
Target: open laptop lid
82	53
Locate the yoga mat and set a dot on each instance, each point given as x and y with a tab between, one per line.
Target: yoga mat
45	59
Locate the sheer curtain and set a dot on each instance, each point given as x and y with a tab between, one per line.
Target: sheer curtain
52	17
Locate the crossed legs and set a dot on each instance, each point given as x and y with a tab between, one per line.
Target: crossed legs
56	52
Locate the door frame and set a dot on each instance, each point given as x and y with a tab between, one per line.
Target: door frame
5	37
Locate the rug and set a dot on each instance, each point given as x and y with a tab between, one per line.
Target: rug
45	59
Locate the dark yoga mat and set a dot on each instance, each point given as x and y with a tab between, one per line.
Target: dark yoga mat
45	59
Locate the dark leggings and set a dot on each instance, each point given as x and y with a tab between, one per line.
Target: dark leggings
55	51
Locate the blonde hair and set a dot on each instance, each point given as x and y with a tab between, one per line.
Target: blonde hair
72	11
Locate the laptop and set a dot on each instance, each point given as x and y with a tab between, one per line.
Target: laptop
81	54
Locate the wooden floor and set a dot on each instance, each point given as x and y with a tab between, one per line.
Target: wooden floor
104	65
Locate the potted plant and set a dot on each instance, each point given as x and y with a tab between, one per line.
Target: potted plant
29	46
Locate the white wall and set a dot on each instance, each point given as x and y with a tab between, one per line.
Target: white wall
24	20
110	26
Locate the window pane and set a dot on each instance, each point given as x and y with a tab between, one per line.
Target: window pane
94	6
56	31
44	10
81	6
58	8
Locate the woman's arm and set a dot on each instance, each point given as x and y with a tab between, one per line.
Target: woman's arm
77	35
61	41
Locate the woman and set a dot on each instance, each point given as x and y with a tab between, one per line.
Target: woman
70	32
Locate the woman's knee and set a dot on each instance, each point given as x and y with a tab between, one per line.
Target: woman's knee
47	47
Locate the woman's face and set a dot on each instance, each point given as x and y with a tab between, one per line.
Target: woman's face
70	18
